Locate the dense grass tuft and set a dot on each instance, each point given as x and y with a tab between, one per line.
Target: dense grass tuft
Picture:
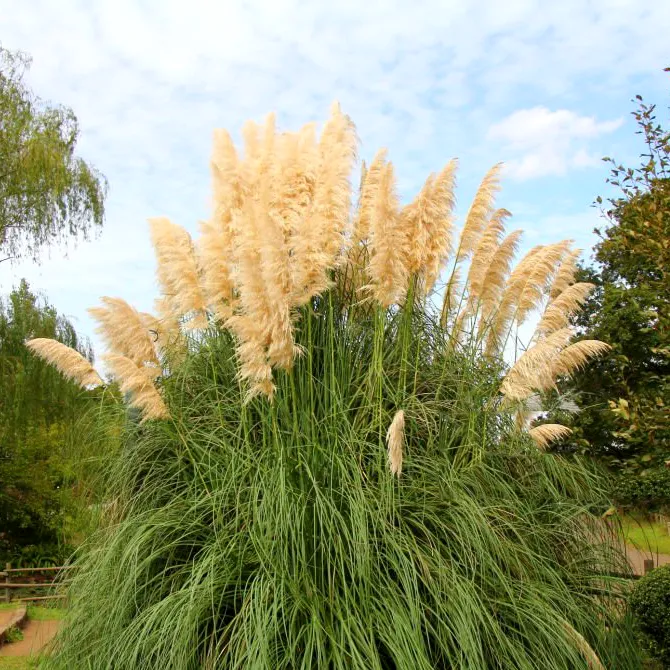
272	535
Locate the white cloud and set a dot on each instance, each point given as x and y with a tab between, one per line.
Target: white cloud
547	228
544	143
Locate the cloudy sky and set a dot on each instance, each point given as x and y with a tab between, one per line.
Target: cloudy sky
543	86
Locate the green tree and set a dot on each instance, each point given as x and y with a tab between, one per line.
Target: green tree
38	409
46	192
625	397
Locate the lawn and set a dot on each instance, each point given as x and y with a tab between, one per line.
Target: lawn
16	663
38	613
646	535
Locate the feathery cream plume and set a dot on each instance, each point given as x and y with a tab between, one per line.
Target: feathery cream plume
576	356
275	267
536	285
475	223
565	275
254	366
547	433
361	181
279	181
294	179
137	382
429	224
441	205
319	241
533	371
177	271
504	312
224	166
68	361
368	195
525	289
498	269
479	212
250	317
558	312
253	320
214	256
358	255
395	439
215	246
227	183
262	269
415	217
388	244
489	243
124	330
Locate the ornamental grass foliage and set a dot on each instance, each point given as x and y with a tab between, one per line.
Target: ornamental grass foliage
326	463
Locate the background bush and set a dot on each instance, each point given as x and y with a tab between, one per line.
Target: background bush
650	603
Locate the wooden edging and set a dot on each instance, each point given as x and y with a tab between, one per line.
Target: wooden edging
50	569
41	585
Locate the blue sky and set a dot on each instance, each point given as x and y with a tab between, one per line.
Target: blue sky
543	86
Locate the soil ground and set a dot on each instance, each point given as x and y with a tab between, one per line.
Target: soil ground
636	558
36	634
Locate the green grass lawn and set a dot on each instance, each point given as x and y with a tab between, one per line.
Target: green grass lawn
16	663
39	613
646	535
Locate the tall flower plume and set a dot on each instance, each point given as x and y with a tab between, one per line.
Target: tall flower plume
563	306
547	433
395	440
124	330
177	271
137	382
480	210
70	363
388	267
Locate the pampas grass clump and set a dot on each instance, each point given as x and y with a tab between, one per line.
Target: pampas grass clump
328	470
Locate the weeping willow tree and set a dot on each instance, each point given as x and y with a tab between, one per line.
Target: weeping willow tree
47	193
326	460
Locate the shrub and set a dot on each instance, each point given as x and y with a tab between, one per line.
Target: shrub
650	603
649	491
323	469
13	634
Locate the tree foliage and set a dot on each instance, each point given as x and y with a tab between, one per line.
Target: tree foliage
625	397
38	410
46	192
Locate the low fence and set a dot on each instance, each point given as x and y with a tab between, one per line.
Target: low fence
12	588
21	582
